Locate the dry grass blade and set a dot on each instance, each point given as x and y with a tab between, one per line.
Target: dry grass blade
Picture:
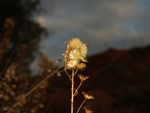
33	89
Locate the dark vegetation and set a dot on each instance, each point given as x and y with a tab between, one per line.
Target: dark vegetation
19	40
24	34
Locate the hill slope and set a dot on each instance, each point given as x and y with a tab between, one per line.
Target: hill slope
119	81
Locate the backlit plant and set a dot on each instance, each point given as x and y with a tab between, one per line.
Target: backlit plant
75	58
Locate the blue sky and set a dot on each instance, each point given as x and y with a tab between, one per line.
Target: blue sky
103	23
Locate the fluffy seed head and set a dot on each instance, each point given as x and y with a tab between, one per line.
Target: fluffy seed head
83	50
72	64
81	66
75	43
74	54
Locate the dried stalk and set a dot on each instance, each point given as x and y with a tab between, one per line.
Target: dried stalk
81	106
76	91
72	91
75	58
33	89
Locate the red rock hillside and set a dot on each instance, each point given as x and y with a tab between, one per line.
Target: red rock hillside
119	81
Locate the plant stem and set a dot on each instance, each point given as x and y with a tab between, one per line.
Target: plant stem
34	88
72	91
67	74
76	71
81	105
76	91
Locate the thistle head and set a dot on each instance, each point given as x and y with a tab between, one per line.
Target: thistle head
75	54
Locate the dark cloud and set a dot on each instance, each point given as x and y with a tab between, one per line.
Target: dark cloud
104	23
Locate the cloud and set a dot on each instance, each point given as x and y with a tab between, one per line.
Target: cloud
103	23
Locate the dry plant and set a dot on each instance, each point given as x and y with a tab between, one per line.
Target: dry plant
16	85
75	58
13	89
31	100
15	82
87	110
4	44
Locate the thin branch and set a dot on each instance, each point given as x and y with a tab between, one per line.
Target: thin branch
81	106
76	91
67	74
33	89
76	71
